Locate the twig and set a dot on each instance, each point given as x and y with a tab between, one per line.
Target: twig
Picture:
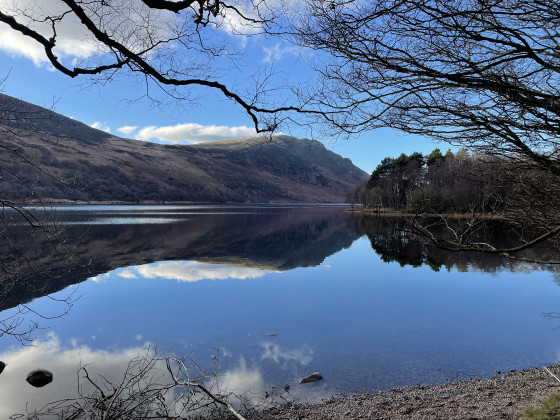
551	374
198	385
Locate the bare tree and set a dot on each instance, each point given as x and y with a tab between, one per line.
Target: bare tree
171	45
479	73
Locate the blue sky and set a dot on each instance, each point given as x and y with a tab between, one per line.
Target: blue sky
111	106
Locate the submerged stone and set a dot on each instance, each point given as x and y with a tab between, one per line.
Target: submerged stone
311	378
39	378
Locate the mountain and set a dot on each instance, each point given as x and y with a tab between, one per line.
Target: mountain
41	148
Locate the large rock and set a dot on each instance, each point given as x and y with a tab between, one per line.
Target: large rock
39	378
311	378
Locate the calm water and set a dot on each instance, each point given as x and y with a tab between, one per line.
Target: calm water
367	308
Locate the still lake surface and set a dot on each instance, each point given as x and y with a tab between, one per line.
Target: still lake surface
279	292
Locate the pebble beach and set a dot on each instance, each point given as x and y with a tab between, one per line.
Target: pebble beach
500	397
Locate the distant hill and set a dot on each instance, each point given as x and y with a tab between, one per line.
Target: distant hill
40	148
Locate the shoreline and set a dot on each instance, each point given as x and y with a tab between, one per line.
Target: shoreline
409	215
500	397
69	203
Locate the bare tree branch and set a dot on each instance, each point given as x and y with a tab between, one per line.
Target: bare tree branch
172	44
484	74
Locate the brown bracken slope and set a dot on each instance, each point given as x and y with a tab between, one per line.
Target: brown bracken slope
40	148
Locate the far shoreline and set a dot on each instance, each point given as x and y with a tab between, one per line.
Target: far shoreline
64	202
383	212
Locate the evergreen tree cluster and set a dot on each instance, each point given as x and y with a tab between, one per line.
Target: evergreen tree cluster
450	182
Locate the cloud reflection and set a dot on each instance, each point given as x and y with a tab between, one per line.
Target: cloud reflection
63	363
18	397
101	278
274	352
127	274
192	271
243	380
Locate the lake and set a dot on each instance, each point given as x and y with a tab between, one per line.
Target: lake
277	292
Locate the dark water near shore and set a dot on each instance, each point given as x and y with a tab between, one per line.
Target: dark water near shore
279	292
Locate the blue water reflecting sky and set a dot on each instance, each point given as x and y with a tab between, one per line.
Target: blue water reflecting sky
364	324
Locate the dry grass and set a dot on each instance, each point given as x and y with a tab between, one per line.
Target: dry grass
548	409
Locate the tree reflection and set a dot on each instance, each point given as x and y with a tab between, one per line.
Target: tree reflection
391	238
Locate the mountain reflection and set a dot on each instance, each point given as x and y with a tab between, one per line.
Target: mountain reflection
391	241
250	240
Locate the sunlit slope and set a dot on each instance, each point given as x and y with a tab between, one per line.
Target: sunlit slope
42	148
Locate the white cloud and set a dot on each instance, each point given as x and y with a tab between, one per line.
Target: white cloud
125	21
18	45
72	38
234	24
101	126
191	271
278	52
127	129
194	133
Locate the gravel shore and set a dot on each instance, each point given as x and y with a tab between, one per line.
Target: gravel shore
500	397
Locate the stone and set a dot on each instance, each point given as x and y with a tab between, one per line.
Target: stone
39	378
311	378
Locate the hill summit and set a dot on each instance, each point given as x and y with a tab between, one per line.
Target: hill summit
58	158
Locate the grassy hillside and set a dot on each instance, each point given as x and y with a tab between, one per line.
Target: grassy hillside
42	148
